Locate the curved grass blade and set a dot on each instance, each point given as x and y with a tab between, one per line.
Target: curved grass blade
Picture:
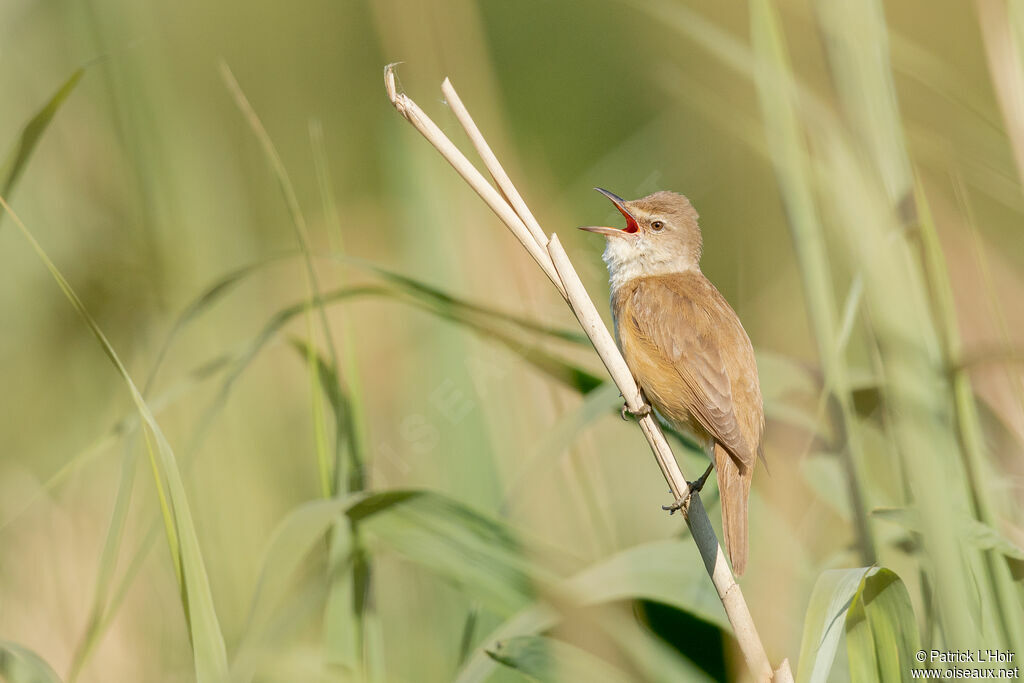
572	375
326	464
422	294
293	539
126	425
354	479
833	594
276	323
100	609
454	541
291	202
26	142
102	604
881	630
419	294
666	571
549	660
18	664
461	308
345	611
287	192
108	562
330	480
427	528
356	454
118	595
346	620
206	299
357	422
269	330
272	653
482	319
659	572
350	628
209	652
416	293
533	620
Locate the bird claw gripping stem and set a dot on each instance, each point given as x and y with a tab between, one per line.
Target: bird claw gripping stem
692	487
644	411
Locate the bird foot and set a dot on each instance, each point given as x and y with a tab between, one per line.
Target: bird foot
680	504
692	487
644	411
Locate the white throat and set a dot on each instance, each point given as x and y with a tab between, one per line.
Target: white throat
630	258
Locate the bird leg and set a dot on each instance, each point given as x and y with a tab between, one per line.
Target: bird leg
698	486
692	487
644	411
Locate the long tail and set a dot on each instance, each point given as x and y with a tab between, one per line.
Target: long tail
734	489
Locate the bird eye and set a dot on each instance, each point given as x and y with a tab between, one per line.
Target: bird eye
657	226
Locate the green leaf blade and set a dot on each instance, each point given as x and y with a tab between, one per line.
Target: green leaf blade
18	664
831	598
25	145
549	660
881	630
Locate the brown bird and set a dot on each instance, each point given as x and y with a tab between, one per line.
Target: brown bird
686	347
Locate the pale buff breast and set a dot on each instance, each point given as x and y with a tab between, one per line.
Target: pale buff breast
689	353
653	372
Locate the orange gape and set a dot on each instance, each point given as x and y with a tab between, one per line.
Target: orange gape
686	347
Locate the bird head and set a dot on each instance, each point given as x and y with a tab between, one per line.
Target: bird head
661	236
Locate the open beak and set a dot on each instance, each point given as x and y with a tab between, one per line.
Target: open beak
620	204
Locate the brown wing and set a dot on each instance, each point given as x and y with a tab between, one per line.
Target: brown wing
682	318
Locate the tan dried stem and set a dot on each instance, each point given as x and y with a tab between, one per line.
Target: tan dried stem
491	162
414	115
553	260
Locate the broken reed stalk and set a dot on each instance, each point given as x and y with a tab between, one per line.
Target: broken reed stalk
509	206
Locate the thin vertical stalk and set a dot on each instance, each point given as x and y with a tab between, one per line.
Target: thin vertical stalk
1007	599
792	169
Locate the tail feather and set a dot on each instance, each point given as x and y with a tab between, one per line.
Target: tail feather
734	490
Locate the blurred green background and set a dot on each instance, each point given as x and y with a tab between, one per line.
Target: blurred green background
889	382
